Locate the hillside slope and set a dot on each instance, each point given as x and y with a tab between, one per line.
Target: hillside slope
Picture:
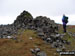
23	44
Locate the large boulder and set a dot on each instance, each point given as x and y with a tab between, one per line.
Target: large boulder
23	19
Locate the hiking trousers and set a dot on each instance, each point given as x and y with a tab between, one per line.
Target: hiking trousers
64	28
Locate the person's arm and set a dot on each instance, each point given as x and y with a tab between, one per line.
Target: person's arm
62	19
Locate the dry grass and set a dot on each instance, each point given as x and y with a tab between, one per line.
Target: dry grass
22	46
69	38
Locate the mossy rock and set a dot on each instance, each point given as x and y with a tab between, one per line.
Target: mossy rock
24	18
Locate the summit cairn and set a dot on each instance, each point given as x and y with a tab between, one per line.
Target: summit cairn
23	20
41	23
46	28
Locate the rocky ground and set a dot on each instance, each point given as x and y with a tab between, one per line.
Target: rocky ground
70	36
22	45
29	36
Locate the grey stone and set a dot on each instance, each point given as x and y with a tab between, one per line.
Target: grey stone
73	35
32	50
49	40
37	49
57	41
57	35
41	34
9	37
57	45
58	50
41	54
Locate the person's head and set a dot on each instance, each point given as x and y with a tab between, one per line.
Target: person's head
63	14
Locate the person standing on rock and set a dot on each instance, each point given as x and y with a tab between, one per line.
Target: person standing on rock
65	21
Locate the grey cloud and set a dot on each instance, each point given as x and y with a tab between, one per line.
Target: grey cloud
37	7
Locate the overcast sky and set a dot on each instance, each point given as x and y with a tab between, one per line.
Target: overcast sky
54	9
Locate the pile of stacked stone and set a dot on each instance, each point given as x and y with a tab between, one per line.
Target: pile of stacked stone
6	30
23	20
45	28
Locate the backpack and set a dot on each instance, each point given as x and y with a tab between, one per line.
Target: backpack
66	19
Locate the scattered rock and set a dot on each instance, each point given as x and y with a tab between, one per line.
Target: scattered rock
46	28
35	51
58	50
38	52
32	50
41	24
9	37
41	54
30	38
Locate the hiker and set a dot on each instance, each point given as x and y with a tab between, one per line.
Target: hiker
65	21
